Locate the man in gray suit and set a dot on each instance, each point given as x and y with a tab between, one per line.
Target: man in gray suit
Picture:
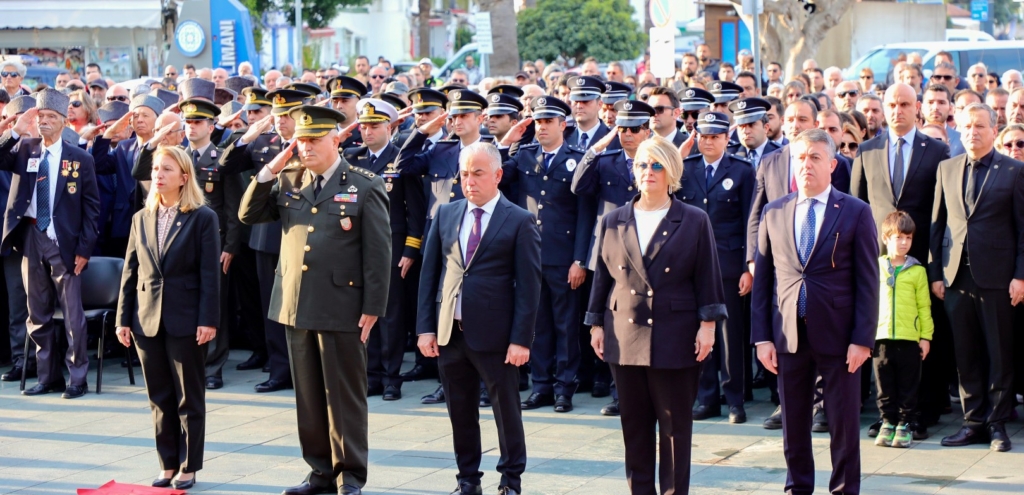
479	295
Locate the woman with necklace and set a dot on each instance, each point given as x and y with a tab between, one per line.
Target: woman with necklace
656	297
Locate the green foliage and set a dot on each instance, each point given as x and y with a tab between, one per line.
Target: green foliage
604	29
462	36
1004	12
315	13
311	56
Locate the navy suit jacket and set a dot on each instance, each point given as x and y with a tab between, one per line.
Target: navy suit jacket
841	276
116	163
76	203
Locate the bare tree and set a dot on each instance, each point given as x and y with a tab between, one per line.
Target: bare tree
423	25
505	60
790	33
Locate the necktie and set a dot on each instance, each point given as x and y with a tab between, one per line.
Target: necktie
629	165
897	170
43	194
970	194
547	160
373	160
752	155
474	235
806	245
792	181
710	171
583	140
319	186
195	157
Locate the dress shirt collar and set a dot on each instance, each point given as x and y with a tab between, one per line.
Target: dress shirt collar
760	149
908	137
552	152
714	164
202	151
822	198
461	146
436	137
488	207
985	160
55	150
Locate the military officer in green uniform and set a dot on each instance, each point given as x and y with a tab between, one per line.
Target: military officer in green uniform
330	287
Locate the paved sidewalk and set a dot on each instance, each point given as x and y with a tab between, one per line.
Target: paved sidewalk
53	446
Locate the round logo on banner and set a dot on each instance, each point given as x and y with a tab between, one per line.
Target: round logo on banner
190	38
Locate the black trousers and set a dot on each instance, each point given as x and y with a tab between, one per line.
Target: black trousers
725	364
797	374
462	368
386	346
245	282
938	370
657	399
897	366
982	322
220	346
555	355
175	384
276	341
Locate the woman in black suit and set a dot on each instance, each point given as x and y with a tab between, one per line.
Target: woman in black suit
656	296
170	306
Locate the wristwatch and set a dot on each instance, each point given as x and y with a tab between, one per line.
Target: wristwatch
580	264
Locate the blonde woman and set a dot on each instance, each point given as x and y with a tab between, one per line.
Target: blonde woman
656	297
170	307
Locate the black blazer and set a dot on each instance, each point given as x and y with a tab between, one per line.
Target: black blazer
651	306
76	203
184	279
500	287
727	203
872	183
841	277
993	233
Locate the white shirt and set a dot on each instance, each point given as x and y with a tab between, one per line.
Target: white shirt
801	213
647	224
53	173
908	149
467	227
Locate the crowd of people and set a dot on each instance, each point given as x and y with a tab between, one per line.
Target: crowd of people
513	232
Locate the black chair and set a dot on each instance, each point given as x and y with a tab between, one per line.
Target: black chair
101	288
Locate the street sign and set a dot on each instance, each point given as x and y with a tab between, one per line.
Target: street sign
483	37
979	10
661	13
748	7
663	48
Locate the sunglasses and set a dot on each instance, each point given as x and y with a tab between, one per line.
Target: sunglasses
76	104
690	114
117	98
849	146
637	129
171	74
378	77
9	74
657	167
942	77
658	110
458	81
1014	144
973	76
867	77
848	94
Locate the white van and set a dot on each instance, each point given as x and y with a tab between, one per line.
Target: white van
998	56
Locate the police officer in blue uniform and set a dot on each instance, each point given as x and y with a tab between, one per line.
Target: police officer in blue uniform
693	101
723	186
543	173
438	164
386	345
751	117
613	93
584	95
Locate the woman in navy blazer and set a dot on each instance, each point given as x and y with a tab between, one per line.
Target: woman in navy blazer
656	297
170	306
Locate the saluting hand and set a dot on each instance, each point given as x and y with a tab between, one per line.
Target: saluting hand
604	142
118	127
366	323
26	122
259	127
347	132
224	121
687	146
161	133
431	128
515	133
281	160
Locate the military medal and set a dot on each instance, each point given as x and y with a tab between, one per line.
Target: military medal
346	223
72	187
75	165
209	187
64	168
345	198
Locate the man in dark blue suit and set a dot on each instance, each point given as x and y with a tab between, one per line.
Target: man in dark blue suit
51	217
479	293
815	310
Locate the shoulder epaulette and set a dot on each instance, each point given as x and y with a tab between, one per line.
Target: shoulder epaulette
362	171
741	159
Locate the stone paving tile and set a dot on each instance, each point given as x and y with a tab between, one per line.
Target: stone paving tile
52	446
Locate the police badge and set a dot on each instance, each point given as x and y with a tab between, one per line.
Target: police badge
727	184
570	164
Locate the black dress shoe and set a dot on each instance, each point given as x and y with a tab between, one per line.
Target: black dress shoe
392	392
14	375
920	431
419	372
563	404
273	386
537	400
306	489
737	415
75	391
820	423
485	399
468	489
873	429
350	490
41	388
612	409
214	383
601	389
435	398
759	380
999	440
774	422
255	362
162	482
375	389
966	436
706	412
266	368
184	485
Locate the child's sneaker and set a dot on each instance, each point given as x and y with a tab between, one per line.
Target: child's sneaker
903	437
885	435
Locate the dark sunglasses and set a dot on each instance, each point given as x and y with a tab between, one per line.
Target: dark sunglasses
658	110
942	77
657	167
1014	144
644	97
9	74
378	77
867	77
171	74
76	104
690	114
847	94
117	98
637	129
849	146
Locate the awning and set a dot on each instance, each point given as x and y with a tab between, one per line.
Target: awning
81	14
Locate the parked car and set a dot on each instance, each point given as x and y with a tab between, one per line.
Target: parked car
998	57
967	35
